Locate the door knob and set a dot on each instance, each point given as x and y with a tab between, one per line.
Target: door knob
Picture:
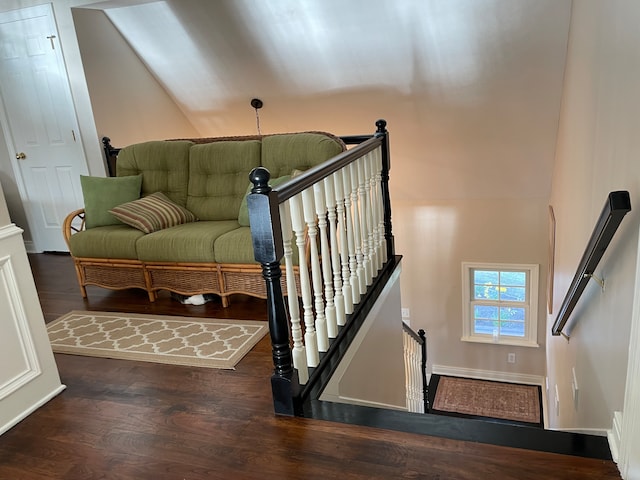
20	156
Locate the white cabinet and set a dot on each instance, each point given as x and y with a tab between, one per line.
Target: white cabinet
28	372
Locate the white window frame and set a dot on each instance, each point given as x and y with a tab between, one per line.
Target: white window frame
530	338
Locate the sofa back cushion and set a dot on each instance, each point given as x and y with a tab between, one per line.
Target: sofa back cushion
164	166
284	153
219	174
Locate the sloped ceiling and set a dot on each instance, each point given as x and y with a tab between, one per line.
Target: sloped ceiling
471	89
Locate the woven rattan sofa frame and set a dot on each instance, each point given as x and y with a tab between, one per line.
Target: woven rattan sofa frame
223	279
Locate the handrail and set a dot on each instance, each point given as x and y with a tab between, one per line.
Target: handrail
618	204
344	206
421	339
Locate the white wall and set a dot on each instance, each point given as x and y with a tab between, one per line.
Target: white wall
128	103
372	371
435	238
597	152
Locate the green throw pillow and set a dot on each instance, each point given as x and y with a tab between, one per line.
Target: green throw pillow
103	193
152	213
243	215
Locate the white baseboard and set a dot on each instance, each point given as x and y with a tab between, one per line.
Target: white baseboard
495	376
31	408
30	247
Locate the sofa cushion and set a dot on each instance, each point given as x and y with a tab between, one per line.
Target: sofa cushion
283	153
237	247
112	241
103	193
164	165
219	173
243	215
152	213
190	242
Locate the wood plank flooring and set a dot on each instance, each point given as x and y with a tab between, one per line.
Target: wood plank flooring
132	420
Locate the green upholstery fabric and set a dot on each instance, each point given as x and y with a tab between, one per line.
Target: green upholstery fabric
243	215
284	153
103	193
219	173
210	180
164	165
112	241
237	247
191	242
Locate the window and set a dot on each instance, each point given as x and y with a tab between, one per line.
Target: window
500	304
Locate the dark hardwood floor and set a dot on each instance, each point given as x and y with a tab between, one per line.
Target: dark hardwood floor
133	420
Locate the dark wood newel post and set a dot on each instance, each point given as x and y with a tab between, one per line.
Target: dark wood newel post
423	367
386	196
268	248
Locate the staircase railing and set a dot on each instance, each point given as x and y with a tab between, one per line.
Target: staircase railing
341	212
415	365
618	204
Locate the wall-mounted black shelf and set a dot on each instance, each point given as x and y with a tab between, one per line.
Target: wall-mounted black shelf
618	204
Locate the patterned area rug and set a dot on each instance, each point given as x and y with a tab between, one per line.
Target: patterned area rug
483	398
198	342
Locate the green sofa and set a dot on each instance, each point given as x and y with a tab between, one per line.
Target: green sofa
200	241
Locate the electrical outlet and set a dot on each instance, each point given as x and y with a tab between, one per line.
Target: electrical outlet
511	358
405	313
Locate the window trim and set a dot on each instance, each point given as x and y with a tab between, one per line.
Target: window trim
530	338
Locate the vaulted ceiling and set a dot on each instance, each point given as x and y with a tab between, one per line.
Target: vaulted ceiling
471	89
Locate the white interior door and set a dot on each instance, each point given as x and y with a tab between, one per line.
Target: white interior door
40	122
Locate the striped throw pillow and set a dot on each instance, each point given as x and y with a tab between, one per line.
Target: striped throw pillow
152	213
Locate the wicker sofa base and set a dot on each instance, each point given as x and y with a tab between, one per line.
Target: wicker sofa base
183	278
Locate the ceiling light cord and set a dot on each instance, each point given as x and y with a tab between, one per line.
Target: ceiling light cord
256	103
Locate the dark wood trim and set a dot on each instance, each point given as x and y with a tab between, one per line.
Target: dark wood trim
471	430
314	175
110	156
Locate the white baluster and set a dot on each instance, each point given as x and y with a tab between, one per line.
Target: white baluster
298	352
357	230
414	370
371	251
334	252
344	249
407	369
325	257
308	204
310	337
364	215
351	241
371	208
381	237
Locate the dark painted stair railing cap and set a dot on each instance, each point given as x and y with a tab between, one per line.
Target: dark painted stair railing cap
260	176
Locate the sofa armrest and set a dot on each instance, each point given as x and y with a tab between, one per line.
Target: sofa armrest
73	223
